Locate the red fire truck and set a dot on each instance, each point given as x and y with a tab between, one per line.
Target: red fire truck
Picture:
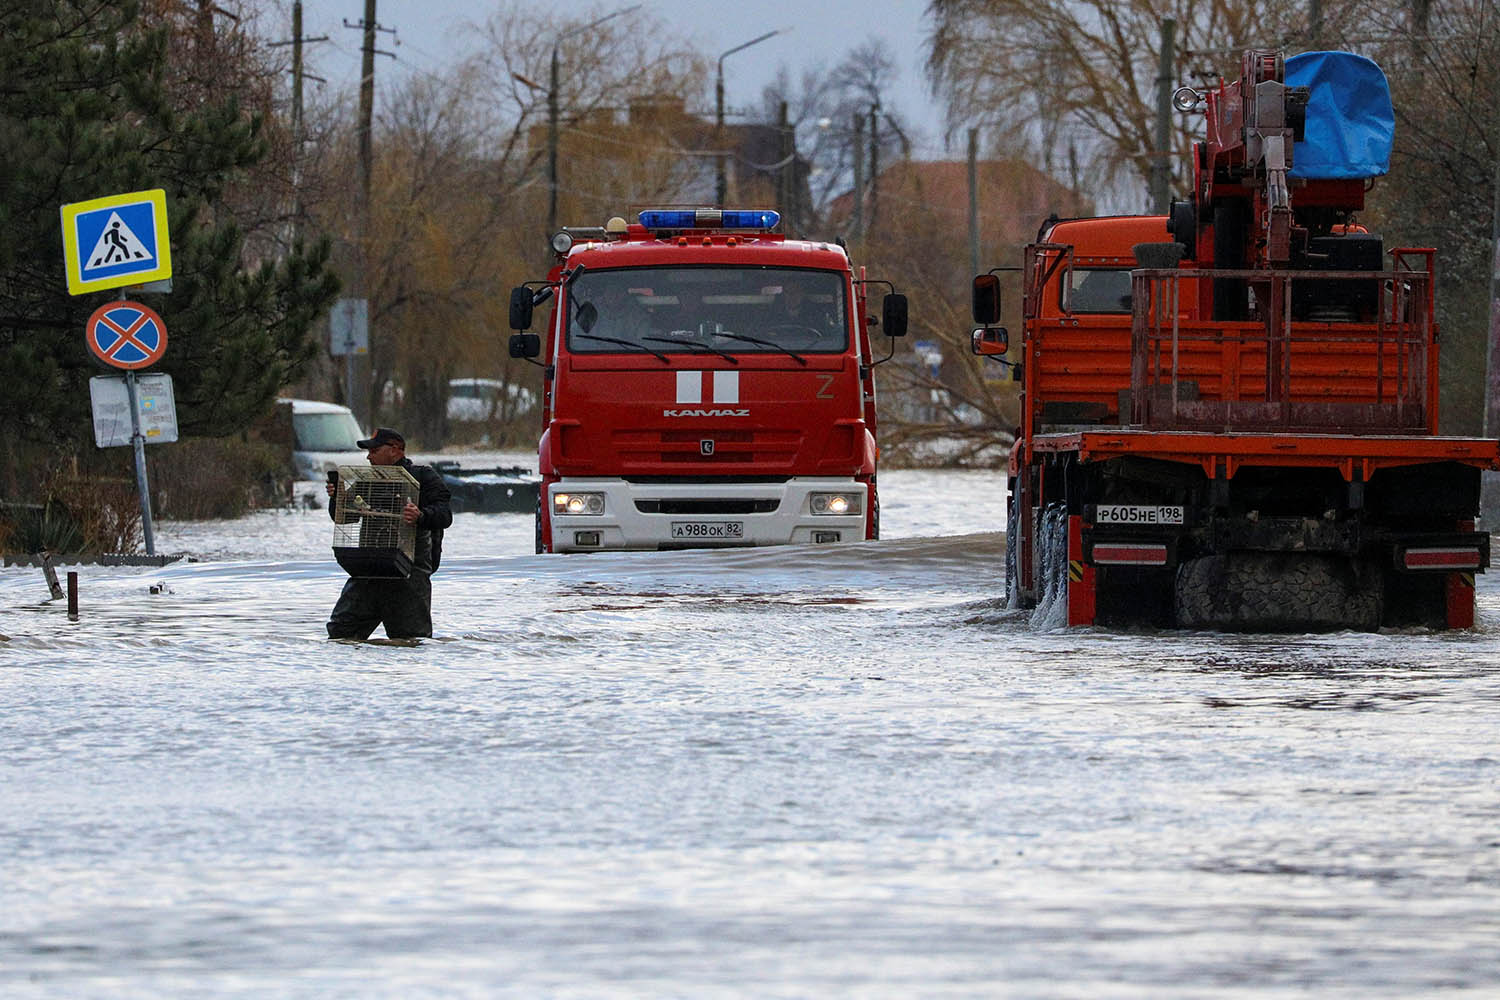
1230	413
708	383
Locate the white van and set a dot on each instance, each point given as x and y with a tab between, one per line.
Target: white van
326	437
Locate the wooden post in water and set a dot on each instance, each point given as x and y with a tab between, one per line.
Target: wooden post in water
50	572
73	594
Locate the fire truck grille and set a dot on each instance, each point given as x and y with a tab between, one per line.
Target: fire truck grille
708	446
729	506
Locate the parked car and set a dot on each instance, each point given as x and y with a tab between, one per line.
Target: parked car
326	437
475	399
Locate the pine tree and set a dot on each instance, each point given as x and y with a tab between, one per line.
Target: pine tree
87	109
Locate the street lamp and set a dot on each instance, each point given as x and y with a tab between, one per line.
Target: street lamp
720	190
552	114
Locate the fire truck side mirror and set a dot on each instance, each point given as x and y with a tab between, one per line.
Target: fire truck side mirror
525	345
520	309
987	299
990	340
893	314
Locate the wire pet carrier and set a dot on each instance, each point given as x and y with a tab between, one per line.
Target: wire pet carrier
370	538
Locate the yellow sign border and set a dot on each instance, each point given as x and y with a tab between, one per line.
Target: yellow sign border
73	260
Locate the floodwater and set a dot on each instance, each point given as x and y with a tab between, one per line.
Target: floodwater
843	771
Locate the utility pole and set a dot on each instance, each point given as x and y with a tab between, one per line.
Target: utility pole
973	201
859	175
298	76
721	184
1161	189
1492	375
296	122
366	111
787	174
207	38
874	162
366	167
205	26
553	112
552	85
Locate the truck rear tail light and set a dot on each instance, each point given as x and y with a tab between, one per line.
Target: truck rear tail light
1441	558
834	504
1130	555
578	503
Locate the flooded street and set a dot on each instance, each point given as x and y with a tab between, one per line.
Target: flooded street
840	771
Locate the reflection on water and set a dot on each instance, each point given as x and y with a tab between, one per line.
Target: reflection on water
773	772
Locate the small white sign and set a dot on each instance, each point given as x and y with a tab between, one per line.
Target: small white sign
349	327
154	401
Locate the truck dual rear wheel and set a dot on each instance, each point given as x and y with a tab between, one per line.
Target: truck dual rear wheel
1278	592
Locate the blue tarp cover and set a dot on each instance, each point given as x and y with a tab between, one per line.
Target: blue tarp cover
1350	122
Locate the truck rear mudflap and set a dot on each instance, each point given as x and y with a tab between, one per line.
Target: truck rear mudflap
592	515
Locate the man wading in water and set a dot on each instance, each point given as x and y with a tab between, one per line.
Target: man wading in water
403	606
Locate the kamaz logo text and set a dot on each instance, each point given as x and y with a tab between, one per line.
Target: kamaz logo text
705	413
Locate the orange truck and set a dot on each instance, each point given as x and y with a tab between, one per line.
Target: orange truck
1229	413
708	382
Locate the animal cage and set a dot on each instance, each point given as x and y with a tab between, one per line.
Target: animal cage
370	537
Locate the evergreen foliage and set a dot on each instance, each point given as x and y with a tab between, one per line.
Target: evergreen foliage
87	110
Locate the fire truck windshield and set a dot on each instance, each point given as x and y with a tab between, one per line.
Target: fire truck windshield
739	310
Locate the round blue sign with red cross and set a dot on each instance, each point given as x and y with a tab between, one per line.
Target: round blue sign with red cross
126	335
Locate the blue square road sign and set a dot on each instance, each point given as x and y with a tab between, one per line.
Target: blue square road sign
116	241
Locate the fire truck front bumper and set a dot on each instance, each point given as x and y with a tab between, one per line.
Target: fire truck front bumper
594	515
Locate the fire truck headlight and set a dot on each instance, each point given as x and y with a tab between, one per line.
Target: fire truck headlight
578	503
562	242
834	503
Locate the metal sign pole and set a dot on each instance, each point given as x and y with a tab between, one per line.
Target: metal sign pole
138	440
117	242
349	371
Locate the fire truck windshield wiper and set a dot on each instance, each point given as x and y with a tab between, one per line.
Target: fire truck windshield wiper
625	343
696	346
764	343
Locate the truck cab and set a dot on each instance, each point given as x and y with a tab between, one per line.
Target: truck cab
707	383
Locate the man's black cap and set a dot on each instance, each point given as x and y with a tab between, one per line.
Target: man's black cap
383	435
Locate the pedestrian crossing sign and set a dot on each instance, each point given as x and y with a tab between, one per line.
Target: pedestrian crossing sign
116	241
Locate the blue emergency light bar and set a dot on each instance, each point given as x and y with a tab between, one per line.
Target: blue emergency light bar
710	218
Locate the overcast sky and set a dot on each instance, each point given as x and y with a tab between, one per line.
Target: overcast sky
432	33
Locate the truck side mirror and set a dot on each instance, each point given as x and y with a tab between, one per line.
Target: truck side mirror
987	299
893	314
525	345
990	340
520	310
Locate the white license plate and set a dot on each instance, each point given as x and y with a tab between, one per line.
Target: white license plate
709	530
1131	514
